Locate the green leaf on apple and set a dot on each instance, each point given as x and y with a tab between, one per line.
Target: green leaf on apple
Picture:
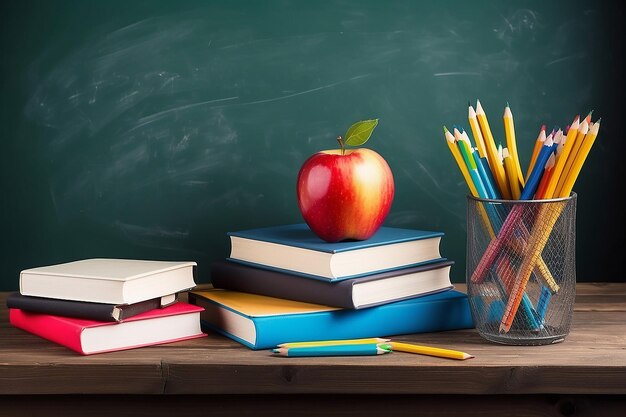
360	132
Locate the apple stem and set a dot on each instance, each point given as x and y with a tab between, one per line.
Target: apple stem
343	148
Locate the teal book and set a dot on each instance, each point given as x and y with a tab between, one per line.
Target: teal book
296	249
261	322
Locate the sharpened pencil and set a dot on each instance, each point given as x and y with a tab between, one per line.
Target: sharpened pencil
368	349
495	164
511	144
430	351
538	144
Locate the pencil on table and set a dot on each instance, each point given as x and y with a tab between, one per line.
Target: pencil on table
430	351
368	349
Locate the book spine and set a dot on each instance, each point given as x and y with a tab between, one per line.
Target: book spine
67	308
386	320
236	277
52	328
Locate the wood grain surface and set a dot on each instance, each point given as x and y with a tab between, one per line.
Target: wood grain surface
590	364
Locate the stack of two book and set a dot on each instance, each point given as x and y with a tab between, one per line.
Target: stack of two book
103	305
284	284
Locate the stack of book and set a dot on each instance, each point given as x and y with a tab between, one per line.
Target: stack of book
284	284
103	305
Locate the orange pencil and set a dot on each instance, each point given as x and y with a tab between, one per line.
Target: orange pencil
545	178
538	144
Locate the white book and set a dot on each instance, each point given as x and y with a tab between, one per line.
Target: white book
296	249
114	281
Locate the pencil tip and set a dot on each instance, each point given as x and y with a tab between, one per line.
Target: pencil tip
469	103
445	129
543	127
507	104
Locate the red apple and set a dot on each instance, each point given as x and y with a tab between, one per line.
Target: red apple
345	194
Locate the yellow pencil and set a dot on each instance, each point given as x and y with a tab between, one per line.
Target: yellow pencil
368	340
577	165
430	351
546	218
578	140
562	158
511	173
478	136
538	144
492	153
509	131
459	161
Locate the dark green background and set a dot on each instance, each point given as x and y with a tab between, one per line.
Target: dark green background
144	129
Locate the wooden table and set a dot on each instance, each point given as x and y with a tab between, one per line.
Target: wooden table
584	375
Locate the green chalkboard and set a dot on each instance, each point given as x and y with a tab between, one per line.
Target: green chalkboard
146	129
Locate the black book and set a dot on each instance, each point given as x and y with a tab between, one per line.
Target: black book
366	291
87	310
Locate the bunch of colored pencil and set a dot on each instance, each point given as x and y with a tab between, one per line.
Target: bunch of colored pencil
362	347
495	173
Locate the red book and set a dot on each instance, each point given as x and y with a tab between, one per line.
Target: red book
180	321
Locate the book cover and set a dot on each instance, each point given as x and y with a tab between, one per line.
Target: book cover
179	321
111	281
86	310
261	322
353	293
295	248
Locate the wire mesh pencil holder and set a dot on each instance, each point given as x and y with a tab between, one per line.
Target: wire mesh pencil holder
521	268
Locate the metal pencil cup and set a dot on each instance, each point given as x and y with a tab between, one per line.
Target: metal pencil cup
521	268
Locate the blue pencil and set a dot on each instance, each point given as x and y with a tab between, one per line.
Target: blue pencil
542	303
368	349
480	165
535	176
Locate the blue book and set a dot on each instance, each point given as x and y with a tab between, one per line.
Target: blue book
296	249
261	322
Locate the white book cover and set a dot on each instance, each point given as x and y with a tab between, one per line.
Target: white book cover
108	280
